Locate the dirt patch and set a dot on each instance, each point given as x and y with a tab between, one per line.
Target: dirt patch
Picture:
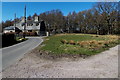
50	56
103	65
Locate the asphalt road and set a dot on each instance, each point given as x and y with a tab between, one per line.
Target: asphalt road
13	53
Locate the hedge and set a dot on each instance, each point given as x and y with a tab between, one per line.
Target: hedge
8	39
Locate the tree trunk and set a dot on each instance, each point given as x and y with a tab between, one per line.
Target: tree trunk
68	30
97	32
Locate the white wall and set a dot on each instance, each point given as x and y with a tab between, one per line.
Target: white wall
5	31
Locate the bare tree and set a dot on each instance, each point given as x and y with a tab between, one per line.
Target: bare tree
107	8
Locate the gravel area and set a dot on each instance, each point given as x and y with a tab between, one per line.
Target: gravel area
103	65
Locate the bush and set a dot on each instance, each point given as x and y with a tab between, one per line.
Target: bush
83	43
92	31
8	39
64	41
77	43
28	33
33	33
72	42
22	39
106	45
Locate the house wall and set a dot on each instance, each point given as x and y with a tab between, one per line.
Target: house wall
6	31
34	27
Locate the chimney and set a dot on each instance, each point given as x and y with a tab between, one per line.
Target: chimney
36	19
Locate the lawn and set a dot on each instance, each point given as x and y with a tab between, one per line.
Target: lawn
83	44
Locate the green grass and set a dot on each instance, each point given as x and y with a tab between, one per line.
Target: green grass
54	45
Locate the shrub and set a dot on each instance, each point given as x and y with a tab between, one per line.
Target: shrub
64	41
21	33
33	33
28	33
8	39
93	42
81	44
77	43
72	42
10	33
85	42
106	45
110	41
101	42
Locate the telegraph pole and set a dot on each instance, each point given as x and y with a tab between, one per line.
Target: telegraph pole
15	22
24	21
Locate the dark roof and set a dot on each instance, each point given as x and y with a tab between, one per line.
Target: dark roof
29	21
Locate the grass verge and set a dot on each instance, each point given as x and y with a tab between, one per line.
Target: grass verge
78	44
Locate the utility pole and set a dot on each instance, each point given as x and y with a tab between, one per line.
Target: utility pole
15	22
25	22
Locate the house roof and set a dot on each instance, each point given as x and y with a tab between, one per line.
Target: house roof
11	28
29	21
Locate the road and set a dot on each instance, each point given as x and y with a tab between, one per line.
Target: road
102	65
13	53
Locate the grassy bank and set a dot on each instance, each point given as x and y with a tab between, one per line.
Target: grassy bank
84	44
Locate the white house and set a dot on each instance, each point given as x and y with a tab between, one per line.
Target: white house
31	25
10	29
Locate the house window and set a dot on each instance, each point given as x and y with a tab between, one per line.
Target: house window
22	25
29	30
29	24
37	24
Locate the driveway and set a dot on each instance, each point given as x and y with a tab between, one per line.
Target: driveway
102	65
13	53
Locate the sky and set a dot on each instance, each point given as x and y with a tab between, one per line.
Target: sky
60	0
10	8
